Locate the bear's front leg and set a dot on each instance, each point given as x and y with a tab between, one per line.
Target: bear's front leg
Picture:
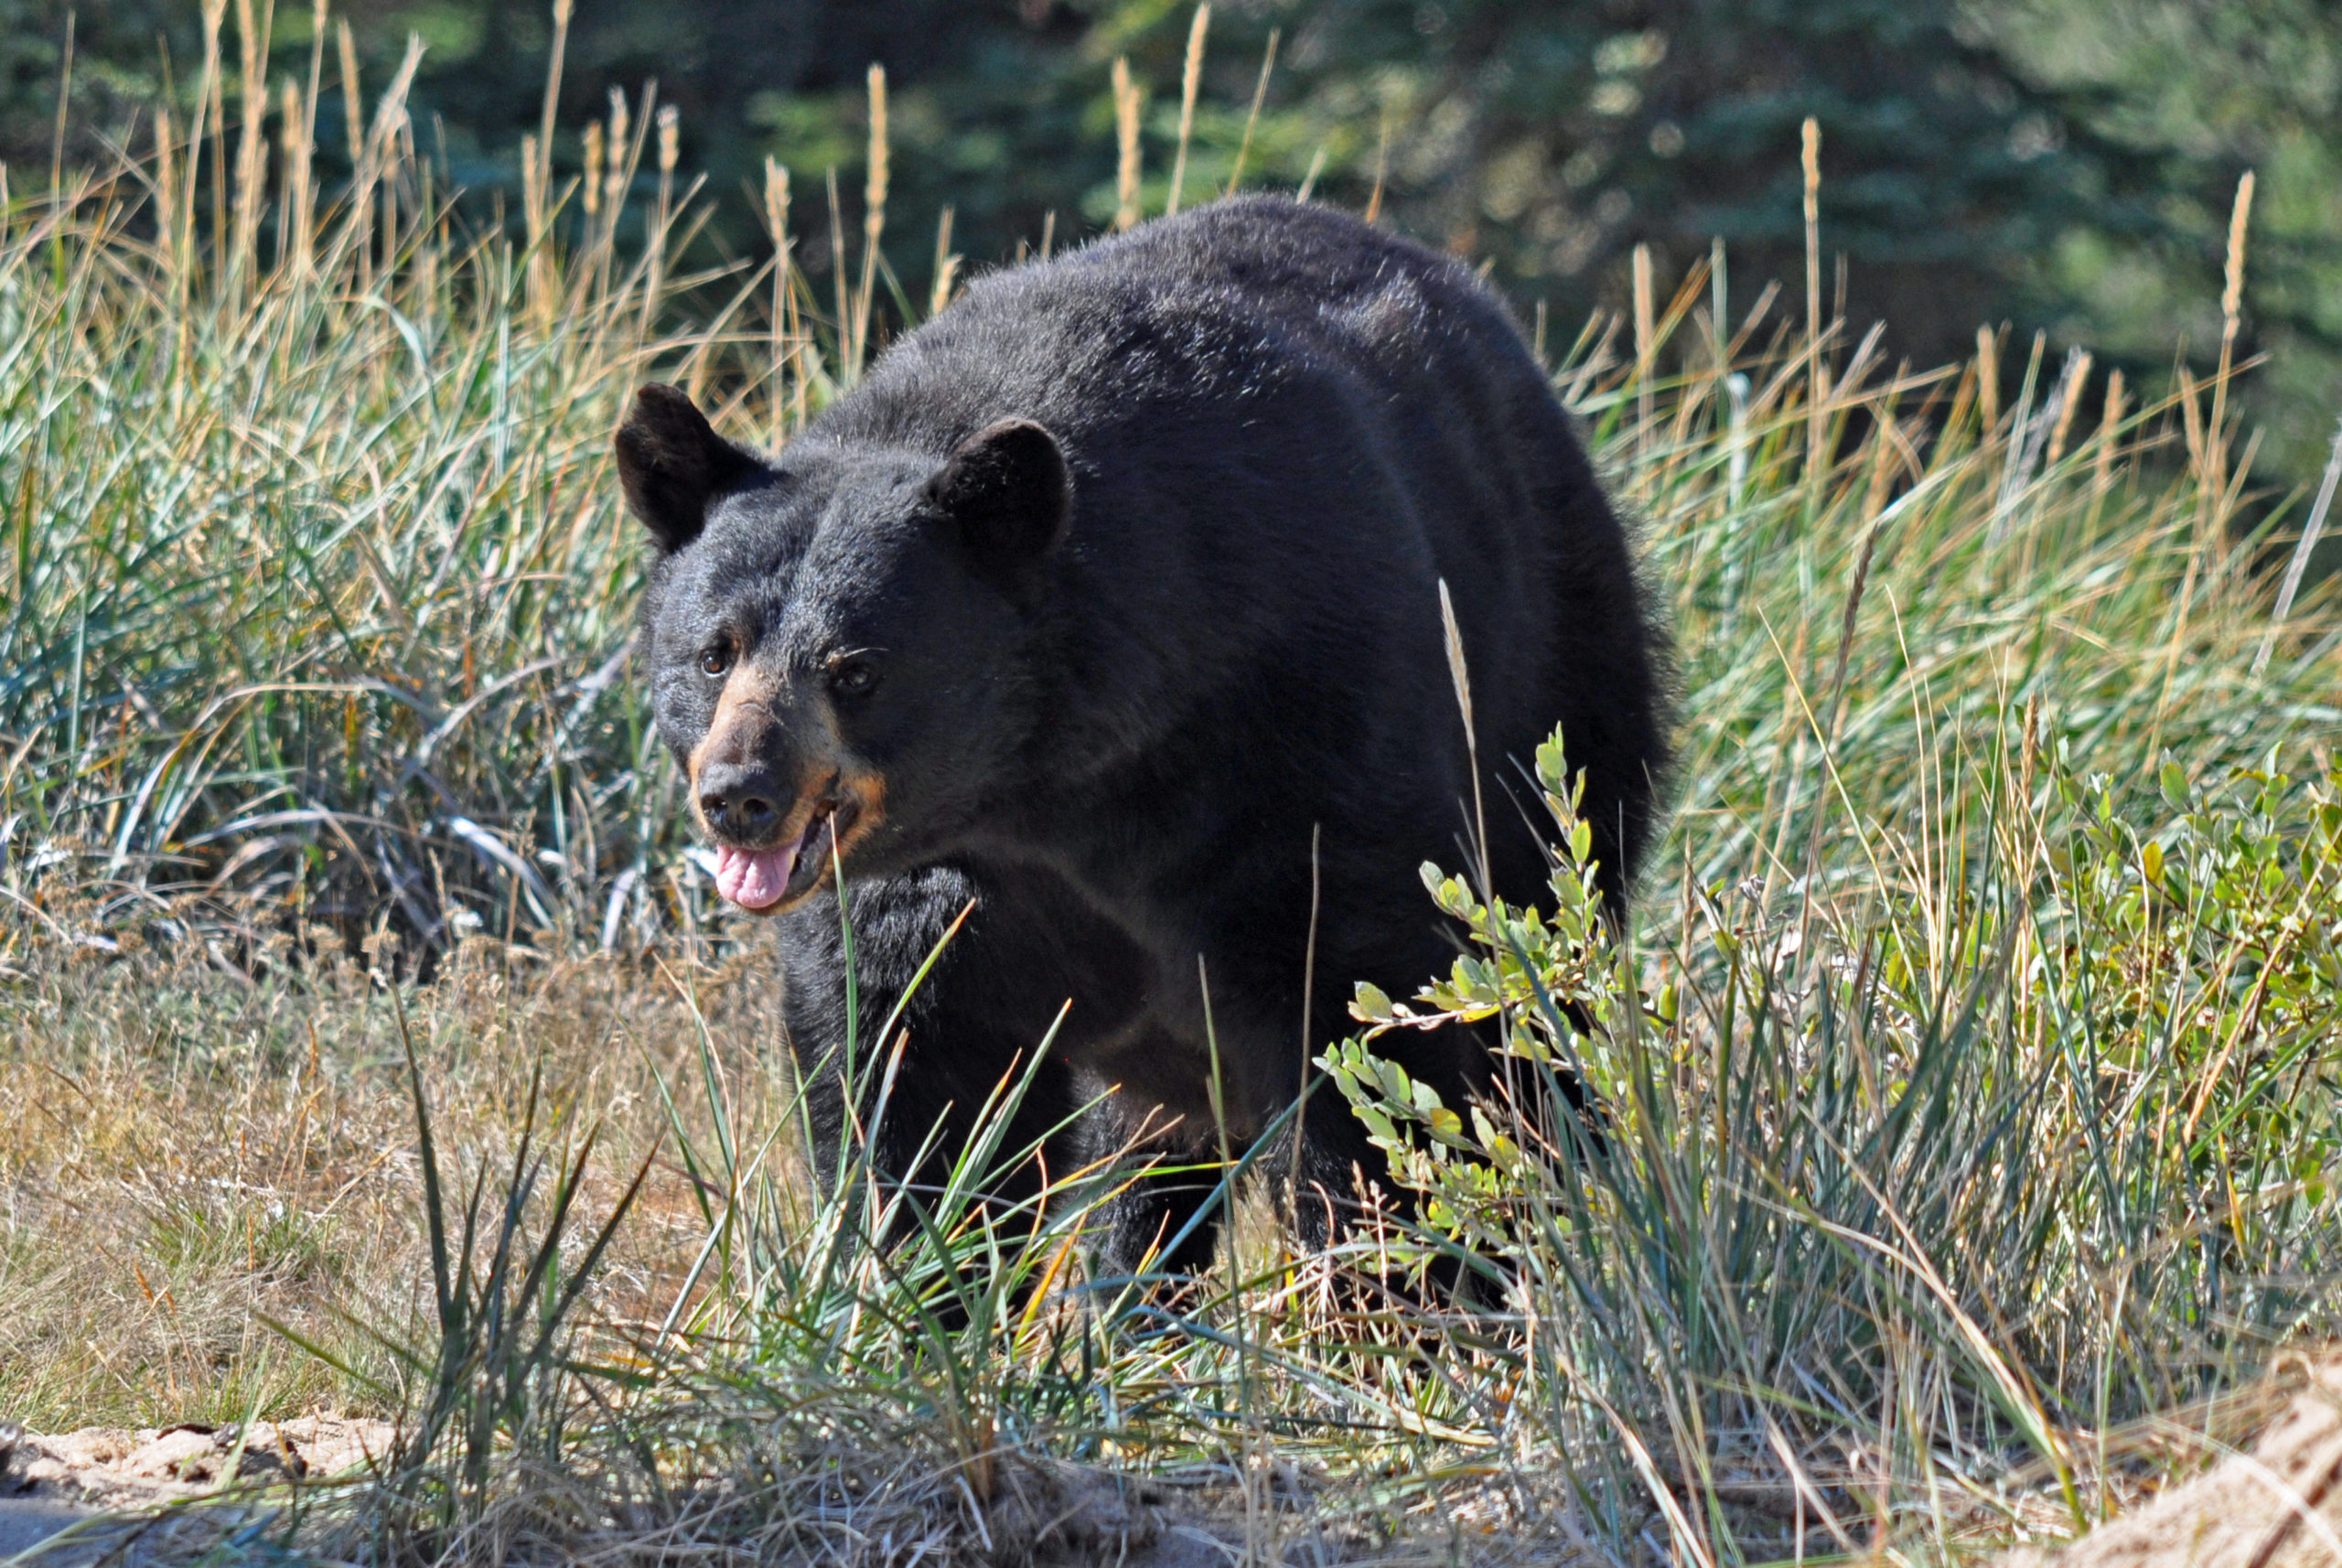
1163	1221
967	1042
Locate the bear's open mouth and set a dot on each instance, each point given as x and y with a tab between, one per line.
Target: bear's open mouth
764	881
830	820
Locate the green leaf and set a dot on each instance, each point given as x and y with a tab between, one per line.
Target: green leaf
1553	771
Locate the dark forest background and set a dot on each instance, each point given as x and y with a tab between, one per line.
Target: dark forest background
2061	165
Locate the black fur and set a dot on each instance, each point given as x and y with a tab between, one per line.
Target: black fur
1143	546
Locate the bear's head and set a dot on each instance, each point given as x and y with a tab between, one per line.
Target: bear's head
838	638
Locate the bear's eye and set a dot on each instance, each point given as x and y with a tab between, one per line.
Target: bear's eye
715	660
853	678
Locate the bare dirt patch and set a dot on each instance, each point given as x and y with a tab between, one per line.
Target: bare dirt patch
105	1493
116	1468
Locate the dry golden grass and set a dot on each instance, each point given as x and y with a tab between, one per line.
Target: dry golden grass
183	1152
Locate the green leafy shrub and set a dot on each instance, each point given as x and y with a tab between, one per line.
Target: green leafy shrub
2071	1124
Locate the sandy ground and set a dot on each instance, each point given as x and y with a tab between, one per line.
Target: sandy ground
2277	1504
114	1467
104	1491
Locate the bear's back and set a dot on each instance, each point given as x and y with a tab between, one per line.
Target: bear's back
1223	304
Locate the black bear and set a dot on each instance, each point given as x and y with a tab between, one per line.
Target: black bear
1108	601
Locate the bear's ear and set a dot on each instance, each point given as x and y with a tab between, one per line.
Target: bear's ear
674	465
1008	492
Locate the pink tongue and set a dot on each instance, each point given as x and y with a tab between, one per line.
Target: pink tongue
753	878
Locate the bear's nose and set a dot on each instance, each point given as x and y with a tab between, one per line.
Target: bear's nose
741	801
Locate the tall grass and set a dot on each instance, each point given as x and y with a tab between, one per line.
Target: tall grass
1968	1062
314	589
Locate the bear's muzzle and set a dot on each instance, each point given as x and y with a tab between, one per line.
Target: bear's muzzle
776	793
